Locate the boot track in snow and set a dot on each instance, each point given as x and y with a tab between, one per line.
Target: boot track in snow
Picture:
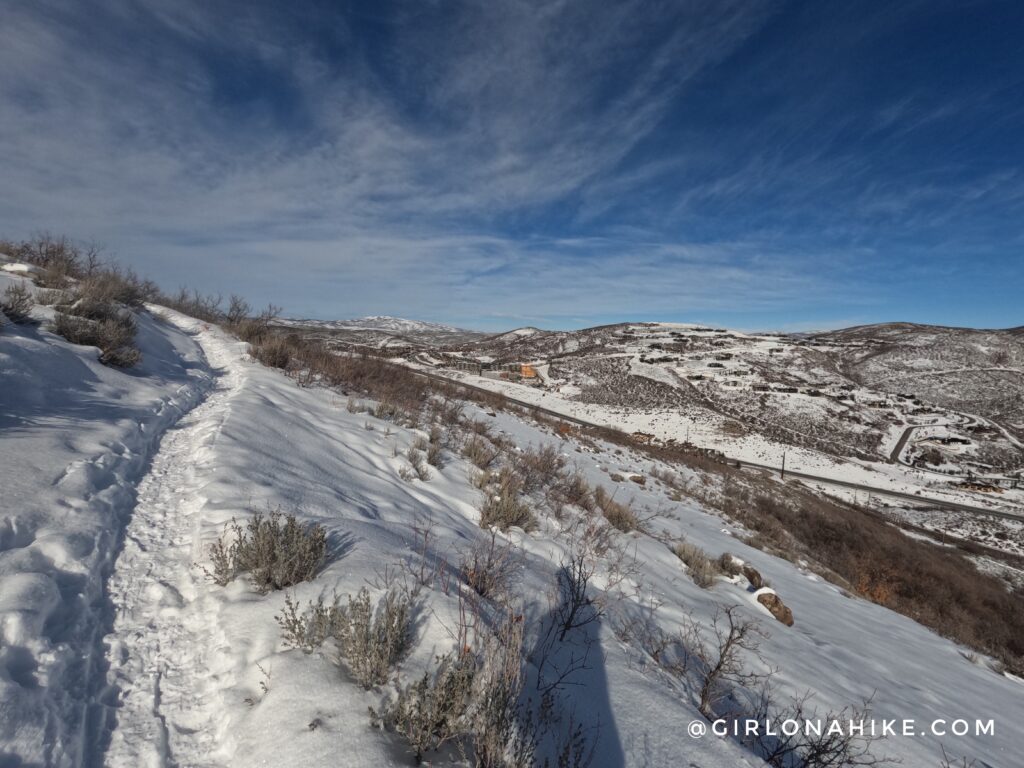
160	648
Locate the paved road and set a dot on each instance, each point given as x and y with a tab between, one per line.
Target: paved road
921	500
894	457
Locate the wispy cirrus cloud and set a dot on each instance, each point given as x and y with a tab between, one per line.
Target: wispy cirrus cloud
458	161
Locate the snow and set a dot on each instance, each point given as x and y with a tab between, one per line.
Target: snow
20	268
373	323
75	437
177	679
705	429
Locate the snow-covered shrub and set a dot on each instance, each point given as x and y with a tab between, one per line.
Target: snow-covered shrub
17	303
618	515
274	550
702	569
432	711
373	638
114	335
503	505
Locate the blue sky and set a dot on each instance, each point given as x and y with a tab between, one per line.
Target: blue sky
503	162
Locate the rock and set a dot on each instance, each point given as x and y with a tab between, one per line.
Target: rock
753	576
778	609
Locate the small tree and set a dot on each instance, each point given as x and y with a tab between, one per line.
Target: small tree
722	657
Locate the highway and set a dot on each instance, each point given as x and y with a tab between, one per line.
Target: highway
902	495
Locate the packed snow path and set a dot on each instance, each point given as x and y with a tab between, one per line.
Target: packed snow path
161	646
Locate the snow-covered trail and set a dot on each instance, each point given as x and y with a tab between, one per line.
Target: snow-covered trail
162	648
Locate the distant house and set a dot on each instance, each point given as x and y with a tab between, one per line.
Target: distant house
761	388
723	356
470	366
715	365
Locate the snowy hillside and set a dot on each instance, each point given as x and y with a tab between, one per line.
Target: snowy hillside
76	437
117	649
379	332
374	323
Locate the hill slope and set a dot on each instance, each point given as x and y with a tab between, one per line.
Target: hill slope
200	674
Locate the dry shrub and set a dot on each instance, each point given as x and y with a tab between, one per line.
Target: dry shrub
503	505
274	550
431	712
97	313
113	285
17	303
435	456
114	336
274	351
936	586
702	569
480	452
539	467
373	638
572	488
489	569
255	330
194	304
619	515
50	297
310	629
418	463
728	565
472	698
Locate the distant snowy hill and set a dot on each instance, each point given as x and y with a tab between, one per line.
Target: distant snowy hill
374	323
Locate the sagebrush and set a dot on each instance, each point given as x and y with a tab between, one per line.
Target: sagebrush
275	550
